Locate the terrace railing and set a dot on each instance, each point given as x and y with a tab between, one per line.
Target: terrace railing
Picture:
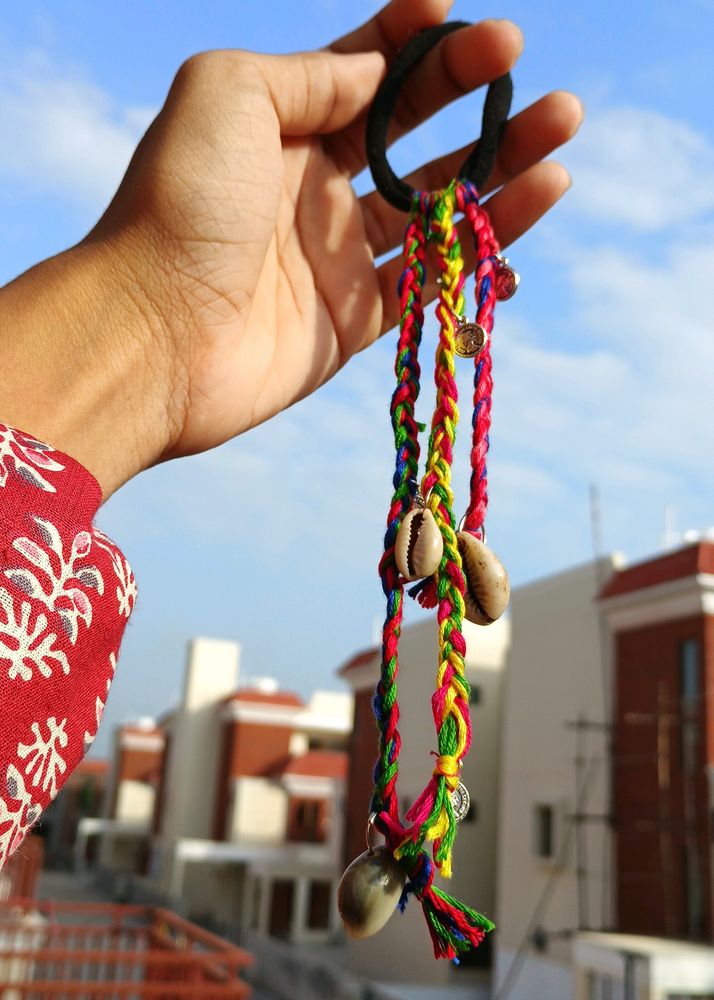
93	950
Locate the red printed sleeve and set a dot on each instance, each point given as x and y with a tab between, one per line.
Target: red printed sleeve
66	594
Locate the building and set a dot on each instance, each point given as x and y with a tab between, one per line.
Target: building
591	777
602	758
79	802
231	806
119	839
660	614
554	873
605	830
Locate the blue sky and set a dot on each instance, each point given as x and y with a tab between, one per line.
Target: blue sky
603	361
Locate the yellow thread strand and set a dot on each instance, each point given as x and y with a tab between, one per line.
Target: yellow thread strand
451	305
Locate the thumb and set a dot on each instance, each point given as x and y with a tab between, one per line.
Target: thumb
320	91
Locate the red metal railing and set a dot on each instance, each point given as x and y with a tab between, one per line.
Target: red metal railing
91	951
19	875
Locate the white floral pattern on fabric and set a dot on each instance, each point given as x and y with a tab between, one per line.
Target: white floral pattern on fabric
61	624
43	760
126	591
90	737
25	644
70	602
26	456
15	821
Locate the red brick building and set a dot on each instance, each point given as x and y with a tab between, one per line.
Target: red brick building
660	619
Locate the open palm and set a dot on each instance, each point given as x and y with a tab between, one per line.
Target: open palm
256	254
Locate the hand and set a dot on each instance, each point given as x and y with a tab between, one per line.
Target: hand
237	244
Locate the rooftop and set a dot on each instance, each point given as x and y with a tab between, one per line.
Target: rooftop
267	697
319	764
360	659
662	568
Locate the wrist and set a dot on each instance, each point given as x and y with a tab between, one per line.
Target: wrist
87	363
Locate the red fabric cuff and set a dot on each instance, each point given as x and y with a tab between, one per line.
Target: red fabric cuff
66	594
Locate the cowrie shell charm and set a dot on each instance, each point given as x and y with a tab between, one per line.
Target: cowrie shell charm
369	892
487	587
419	545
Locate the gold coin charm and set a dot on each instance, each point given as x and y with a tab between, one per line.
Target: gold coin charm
469	339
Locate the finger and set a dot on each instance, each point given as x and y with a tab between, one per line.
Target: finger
392	26
514	209
308	92
320	91
528	138
460	63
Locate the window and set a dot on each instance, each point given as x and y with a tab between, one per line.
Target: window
543	831
693	893
318	910
689	686
689	673
307	820
256	903
604	987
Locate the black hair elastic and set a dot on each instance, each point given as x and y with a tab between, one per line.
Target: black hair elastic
480	161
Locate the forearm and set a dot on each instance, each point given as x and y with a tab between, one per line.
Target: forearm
84	363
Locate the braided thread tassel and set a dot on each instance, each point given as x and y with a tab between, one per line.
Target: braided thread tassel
432	814
406	441
486	249
454	927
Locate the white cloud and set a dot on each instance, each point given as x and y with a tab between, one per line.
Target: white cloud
62	134
640	168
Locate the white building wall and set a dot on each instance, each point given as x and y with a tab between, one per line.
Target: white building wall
554	674
539	978
193	752
135	802
258	811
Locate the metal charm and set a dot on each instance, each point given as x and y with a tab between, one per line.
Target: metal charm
372	833
506	279
469	339
460	801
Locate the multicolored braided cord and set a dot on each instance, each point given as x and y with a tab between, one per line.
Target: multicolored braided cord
454	927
